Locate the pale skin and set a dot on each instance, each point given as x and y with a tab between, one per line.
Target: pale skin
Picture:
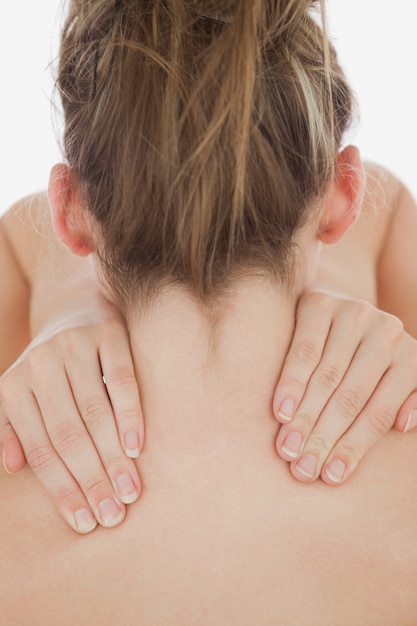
222	532
67	298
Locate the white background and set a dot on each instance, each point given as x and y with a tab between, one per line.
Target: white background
377	44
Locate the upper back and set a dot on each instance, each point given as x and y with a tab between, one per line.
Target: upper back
222	535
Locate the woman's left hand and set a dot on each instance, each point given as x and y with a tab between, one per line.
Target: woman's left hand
77	434
350	376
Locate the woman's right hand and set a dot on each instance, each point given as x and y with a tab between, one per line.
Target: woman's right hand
70	407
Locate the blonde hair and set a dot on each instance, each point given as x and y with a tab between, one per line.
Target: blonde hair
201	132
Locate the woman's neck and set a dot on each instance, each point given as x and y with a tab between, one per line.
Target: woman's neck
206	378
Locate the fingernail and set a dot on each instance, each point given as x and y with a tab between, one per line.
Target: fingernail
132	444
110	513
85	521
126	489
307	465
292	445
3	456
412	421
335	471
286	410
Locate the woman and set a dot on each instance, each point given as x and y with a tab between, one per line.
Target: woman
207	236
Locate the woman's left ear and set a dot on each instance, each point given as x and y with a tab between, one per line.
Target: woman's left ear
68	214
344	200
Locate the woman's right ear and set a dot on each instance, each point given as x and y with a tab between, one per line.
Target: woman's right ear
68	215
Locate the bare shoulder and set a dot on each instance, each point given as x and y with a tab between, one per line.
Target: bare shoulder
14	296
351	265
383	189
27	223
395	233
381	180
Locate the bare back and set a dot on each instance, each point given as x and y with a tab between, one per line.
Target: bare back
222	533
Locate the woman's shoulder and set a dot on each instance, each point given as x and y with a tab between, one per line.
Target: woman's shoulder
351	265
26	224
383	189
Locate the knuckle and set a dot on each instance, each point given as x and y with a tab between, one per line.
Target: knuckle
407	356
38	358
391	328
8	388
122	379
67	496
393	324
306	353
95	486
348	450
349	402
40	457
67	438
68	337
381	420
293	383
128	415
360	310
328	378
318	443
93	412
65	340
321	300
70	340
305	420
41	365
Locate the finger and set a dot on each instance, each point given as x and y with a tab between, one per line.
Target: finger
319	435
313	416
122	388
72	442
94	407
345	405
50	470
12	453
406	419
320	388
375	420
314	320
